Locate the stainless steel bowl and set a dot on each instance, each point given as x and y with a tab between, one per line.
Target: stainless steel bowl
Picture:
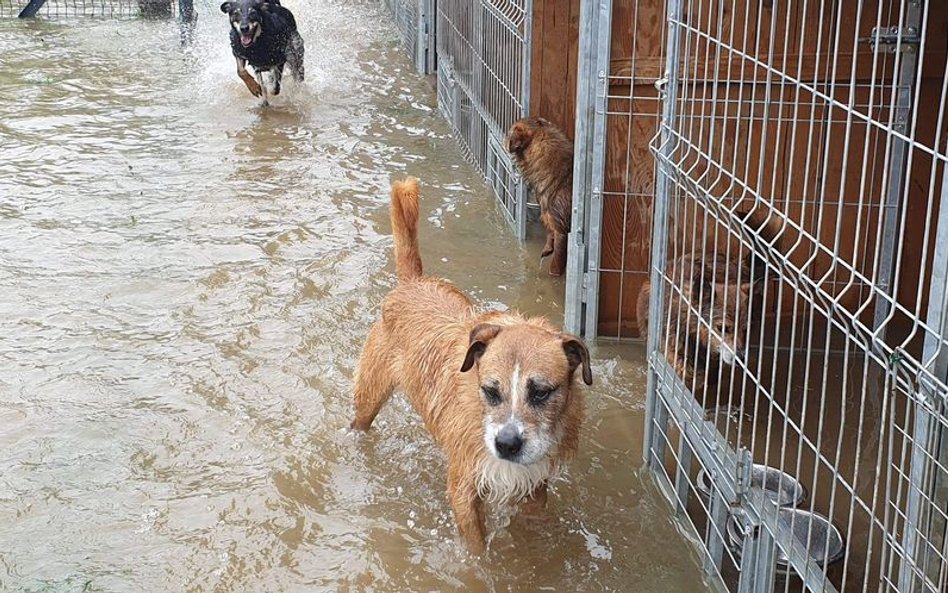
780	487
825	541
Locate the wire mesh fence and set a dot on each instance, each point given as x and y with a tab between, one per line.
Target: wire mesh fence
94	8
414	20
798	407
483	55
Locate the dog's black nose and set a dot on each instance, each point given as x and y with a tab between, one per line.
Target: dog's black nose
508	442
245	29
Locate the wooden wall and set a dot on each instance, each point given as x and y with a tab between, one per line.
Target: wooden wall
553	70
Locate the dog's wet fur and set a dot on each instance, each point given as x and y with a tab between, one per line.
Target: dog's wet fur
544	156
496	390
263	34
720	291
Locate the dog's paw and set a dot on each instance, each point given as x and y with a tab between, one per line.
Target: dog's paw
255	89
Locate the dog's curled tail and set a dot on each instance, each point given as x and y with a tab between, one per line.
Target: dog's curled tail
405	228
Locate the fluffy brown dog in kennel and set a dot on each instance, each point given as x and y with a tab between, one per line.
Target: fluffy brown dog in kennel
719	289
495	390
544	156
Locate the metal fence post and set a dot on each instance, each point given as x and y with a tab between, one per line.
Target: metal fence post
421	38
597	175
656	420
929	435
757	566
717	523
577	253
526	58
896	170
431	43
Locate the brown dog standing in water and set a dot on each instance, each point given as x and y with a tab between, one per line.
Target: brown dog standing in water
495	390
544	156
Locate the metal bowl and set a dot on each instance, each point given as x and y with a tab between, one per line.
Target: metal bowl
780	487
825	540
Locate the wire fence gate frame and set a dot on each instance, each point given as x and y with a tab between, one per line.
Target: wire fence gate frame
812	115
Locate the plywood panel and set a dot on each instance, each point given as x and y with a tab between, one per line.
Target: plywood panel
554	66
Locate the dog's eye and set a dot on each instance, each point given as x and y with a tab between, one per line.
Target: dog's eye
491	394
538	395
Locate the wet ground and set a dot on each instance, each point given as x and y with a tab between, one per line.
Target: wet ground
186	282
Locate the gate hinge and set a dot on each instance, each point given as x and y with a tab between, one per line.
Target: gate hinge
893	39
585	285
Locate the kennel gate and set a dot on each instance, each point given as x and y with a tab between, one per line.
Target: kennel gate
617	112
828	119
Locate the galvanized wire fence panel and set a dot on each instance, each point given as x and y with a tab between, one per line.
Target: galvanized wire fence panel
405	14
415	21
799	289
93	8
483	55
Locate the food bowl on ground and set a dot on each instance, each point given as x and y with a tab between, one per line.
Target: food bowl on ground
780	487
816	533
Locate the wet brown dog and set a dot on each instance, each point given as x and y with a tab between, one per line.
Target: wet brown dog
544	156
720	290
495	390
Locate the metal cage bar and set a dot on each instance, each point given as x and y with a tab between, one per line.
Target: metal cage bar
588	163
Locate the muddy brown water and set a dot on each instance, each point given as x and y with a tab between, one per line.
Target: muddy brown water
186	281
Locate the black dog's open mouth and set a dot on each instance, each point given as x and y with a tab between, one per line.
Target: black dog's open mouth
246	39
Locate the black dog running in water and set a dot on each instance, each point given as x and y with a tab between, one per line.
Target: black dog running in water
264	34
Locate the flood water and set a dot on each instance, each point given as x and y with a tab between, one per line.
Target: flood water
186	282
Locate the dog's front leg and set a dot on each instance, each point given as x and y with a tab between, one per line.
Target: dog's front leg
263	87
558	263
247	77
468	511
277	78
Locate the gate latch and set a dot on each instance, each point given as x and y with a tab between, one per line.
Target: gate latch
892	39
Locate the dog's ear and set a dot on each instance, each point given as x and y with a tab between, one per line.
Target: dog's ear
577	354
225	7
266	5
481	336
